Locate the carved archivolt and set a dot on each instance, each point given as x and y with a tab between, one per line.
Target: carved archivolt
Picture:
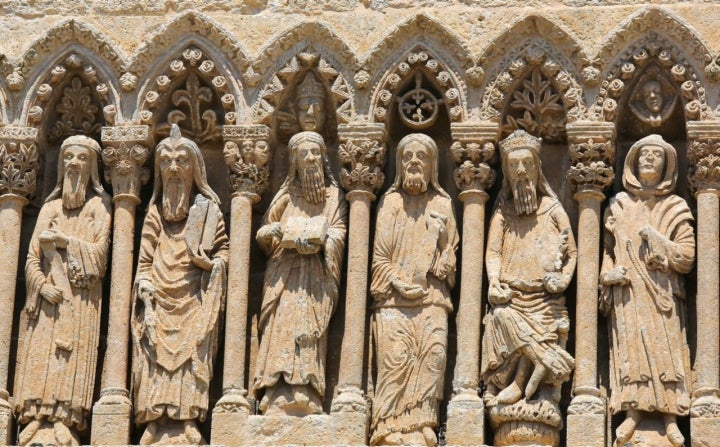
188	26
79	91
276	91
414	63
652	52
188	86
57	40
536	83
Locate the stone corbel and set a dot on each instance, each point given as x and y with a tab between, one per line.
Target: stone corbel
362	154
18	179
473	152
592	157
704	175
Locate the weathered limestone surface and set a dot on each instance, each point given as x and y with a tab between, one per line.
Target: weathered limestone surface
247	83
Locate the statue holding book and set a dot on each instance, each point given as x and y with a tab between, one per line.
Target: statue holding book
303	234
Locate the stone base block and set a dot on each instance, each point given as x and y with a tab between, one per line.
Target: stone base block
111	421
347	429
650	432
586	430
705	432
6	423
465	422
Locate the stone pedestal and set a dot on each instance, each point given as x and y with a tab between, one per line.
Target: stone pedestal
111	418
465	421
346	429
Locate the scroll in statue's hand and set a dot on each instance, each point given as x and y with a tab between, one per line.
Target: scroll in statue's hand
51	293
616	276
553	282
409	291
499	293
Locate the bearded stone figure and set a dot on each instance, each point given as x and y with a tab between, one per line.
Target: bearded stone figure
413	271
178	296
303	234
530	261
59	333
649	245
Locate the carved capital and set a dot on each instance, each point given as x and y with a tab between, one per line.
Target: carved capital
592	155
247	155
473	151
706	403
18	161
126	149
704	155
362	154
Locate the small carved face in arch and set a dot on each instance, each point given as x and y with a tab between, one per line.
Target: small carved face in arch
522	167
311	113
261	153
652	96
651	162
416	166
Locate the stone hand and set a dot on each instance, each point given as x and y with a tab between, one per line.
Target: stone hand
439	221
409	291
306	340
647	231
51	293
146	289
305	247
200	258
616	276
554	283
499	293
270	231
52	236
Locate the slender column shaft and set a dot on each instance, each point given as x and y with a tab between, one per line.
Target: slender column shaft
708	290
351	364
117	355
588	270
470	310
11	206
237	294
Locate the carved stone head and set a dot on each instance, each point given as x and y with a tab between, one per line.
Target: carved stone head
309	165
654	99
417	165
650	167
77	166
310	104
523	179
179	165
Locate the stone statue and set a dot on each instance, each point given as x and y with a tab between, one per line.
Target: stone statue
178	296
57	354
413	270
303	234
652	103
649	245
530	261
309	110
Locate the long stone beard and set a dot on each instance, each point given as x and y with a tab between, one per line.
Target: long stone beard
313	184
525	195
175	201
414	183
74	189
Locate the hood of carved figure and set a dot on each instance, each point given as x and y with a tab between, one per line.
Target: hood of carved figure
667	179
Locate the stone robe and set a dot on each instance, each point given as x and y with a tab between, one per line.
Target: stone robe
649	359
300	293
522	249
57	353
410	334
171	374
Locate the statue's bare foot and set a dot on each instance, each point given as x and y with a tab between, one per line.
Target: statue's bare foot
535	380
625	431
673	432
29	431
192	433
149	436
430	436
62	433
511	394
